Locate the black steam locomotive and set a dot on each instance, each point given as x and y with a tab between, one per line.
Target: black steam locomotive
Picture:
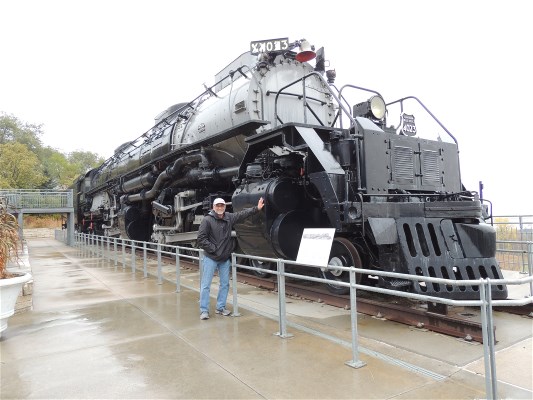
274	125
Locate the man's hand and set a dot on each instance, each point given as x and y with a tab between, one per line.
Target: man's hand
260	204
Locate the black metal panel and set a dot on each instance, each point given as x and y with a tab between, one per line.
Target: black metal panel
330	188
393	161
323	155
403	166
383	230
286	232
252	233
375	161
478	240
451	172
426	251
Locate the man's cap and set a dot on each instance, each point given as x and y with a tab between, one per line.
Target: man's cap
219	200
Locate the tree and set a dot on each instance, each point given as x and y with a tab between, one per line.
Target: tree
37	166
59	171
504	229
13	130
84	160
19	167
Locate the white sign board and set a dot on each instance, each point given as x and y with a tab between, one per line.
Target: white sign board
315	246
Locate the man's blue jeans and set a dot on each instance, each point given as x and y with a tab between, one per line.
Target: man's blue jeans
209	268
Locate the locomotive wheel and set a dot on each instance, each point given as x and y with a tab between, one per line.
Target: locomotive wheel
191	252
261	264
343	254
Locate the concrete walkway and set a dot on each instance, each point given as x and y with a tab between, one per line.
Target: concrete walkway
98	332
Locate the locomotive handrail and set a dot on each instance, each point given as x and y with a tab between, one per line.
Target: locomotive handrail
303	78
300	96
354	87
465	193
239	69
321	78
344	99
427	110
190	104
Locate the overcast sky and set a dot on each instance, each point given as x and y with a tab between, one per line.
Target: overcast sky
96	73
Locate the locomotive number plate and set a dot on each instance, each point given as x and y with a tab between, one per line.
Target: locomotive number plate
263	46
409	127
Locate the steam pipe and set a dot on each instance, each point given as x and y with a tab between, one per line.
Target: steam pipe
197	175
171	172
140	182
164	209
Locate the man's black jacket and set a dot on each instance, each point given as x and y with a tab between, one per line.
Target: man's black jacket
214	234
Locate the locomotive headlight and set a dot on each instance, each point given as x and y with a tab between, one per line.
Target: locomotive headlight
377	107
372	108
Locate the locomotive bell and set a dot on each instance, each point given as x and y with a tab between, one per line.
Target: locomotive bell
306	52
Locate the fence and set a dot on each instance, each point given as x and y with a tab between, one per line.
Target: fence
514	232
514	242
108	249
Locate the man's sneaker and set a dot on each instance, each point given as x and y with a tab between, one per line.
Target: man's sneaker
204	315
223	311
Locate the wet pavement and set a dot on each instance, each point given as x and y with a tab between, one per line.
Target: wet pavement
99	331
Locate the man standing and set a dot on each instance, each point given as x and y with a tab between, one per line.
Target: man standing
214	237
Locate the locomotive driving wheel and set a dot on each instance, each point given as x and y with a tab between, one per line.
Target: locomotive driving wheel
262	265
343	254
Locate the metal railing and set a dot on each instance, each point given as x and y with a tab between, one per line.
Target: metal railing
514	235
37	199
515	255
107	248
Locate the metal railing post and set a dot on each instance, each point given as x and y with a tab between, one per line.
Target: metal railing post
492	341
484	329
281	301
201	265
145	263
123	253
159	273
355	362
178	272
115	252
108	244
133	257
521	228
97	247
530	265
488	338
234	284
100	246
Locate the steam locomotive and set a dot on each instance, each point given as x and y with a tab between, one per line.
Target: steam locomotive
275	125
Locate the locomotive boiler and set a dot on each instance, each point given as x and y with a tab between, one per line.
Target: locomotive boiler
275	125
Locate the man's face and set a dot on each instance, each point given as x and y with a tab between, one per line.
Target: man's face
219	209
